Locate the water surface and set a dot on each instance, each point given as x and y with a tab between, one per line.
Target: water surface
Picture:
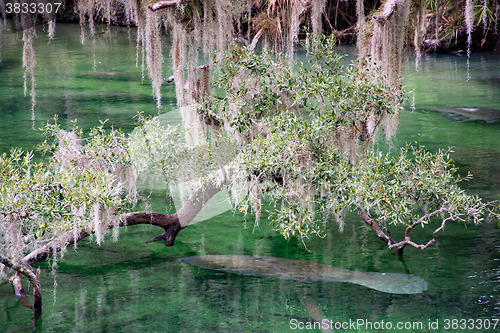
129	286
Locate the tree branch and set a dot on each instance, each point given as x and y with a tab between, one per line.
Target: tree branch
256	39
372	223
407	240
171	223
165	4
32	277
386	10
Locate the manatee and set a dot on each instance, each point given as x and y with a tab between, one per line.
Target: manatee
488	115
300	270
108	76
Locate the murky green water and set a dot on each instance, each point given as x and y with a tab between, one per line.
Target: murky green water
134	287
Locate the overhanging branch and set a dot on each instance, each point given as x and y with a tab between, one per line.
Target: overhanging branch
171	223
165	4
379	229
408	241
386	10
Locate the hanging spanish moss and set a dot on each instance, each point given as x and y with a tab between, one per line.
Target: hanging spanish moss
393	41
381	42
383	36
495	17
178	53
52	29
420	29
86	15
317	8
225	27
194	126
280	24
484	15
362	34
469	24
135	15
295	9
154	54
29	60
194	35
254	197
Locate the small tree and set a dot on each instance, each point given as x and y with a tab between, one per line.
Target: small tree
302	140
307	147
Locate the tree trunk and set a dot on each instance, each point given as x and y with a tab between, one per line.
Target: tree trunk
32	277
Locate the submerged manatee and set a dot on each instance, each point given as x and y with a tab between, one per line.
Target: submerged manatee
291	269
471	113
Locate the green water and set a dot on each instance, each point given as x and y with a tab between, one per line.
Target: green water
129	286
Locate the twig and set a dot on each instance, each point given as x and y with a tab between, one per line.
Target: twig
171	78
256	39
407	240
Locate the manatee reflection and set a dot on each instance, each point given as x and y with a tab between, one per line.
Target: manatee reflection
291	269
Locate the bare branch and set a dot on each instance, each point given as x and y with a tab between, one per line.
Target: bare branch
423	219
386	10
372	223
165	4
407	240
256	39
379	229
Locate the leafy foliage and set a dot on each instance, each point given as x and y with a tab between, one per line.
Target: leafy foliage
79	189
300	139
305	141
